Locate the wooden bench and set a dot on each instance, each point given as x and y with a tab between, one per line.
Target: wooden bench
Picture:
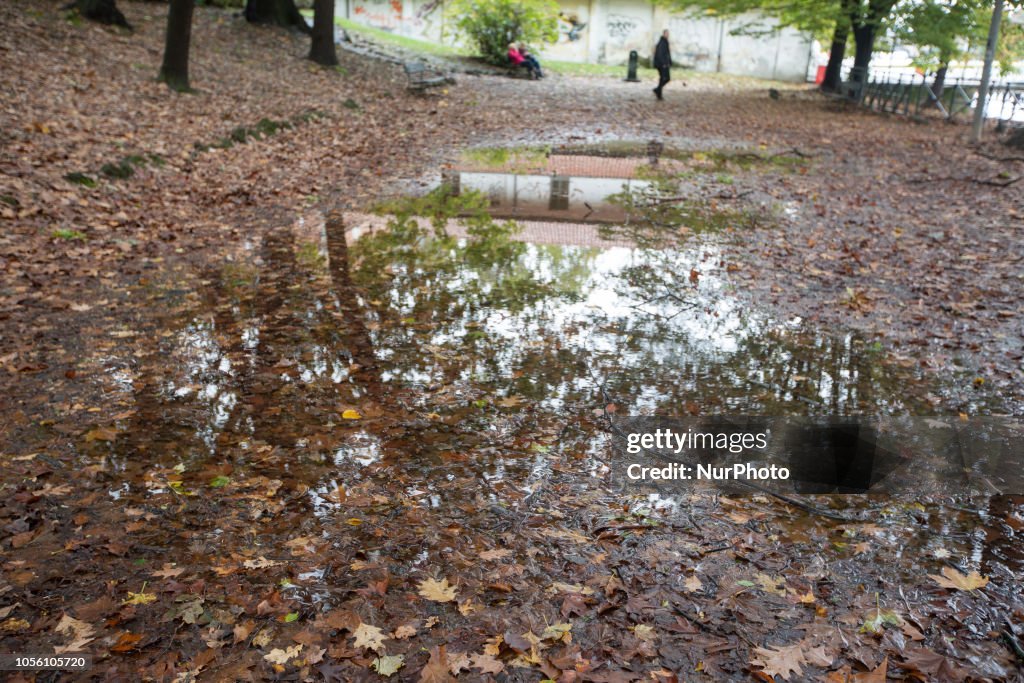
422	77
519	71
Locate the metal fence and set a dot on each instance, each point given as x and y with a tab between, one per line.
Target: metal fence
912	95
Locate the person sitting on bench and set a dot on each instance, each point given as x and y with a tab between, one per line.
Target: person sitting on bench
517	56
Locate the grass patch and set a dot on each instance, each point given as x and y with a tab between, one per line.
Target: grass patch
80	179
607	70
513	159
308	255
119	171
69	235
264	128
414	44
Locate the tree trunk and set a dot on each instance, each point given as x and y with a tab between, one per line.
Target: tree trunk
174	71
864	36
833	71
939	84
321	50
276	13
103	11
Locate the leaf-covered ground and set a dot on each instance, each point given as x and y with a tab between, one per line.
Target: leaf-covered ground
210	470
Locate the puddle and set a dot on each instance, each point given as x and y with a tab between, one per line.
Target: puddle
388	369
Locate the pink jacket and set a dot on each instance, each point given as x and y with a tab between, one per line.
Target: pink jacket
515	57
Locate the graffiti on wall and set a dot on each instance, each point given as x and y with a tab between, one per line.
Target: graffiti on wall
428	8
386	14
570	28
621	27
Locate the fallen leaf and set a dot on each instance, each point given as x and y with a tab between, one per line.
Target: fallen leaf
101	434
388	665
370	637
14	625
645	632
436	670
141	598
876	675
495	554
692	583
279	656
126	642
260	563
351	414
487	664
951	578
405	631
438	591
169	571
80	632
781	661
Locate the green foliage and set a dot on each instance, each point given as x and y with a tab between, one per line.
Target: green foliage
119	171
69	235
80	179
490	25
814	16
941	29
947	31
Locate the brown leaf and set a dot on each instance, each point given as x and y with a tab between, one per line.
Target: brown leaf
436	670
782	661
878	675
127	642
487	664
405	631
951	578
495	554
169	571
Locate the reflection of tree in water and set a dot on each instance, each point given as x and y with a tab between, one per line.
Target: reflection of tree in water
494	311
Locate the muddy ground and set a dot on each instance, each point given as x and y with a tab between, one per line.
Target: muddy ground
226	457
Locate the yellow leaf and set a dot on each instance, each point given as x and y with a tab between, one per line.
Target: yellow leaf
351	414
388	665
771	584
645	632
557	631
951	578
139	598
368	636
438	591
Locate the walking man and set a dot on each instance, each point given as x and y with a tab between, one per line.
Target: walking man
662	62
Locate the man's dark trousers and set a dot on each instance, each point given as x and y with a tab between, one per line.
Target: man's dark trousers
663	79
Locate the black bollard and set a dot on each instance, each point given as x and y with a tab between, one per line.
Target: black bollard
634	58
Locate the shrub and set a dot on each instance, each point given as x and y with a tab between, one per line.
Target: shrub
490	25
